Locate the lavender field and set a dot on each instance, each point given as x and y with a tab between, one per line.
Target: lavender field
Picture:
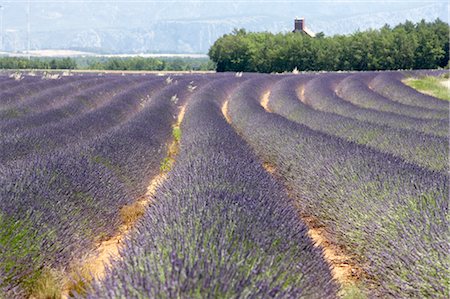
310	185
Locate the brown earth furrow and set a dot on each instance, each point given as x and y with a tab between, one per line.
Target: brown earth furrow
265	100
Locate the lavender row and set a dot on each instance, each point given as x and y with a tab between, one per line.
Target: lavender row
63	104
389	84
8	83
131	150
390	214
418	148
354	90
57	207
320	94
54	93
220	226
26	88
41	140
43	101
49	94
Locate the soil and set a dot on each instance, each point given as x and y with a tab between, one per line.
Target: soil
301	93
265	101
225	112
344	269
269	168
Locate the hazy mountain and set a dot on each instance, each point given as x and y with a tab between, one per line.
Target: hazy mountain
188	26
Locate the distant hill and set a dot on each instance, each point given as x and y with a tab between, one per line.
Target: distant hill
190	26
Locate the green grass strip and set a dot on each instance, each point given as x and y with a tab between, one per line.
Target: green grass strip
431	85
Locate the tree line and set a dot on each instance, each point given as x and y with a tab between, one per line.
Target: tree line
36	63
422	45
101	63
151	64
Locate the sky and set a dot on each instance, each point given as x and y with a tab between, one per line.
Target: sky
81	13
78	23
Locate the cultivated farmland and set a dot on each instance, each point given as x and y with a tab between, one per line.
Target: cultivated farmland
314	185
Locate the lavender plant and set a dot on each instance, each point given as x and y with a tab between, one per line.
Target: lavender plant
418	148
220	226
320	94
40	140
390	214
391	86
356	91
45	110
56	207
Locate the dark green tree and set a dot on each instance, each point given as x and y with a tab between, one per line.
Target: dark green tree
424	45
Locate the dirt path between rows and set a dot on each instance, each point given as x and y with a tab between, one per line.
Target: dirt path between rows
225	112
343	268
301	94
265	101
94	268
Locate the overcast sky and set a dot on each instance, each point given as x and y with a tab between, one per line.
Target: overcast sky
78	23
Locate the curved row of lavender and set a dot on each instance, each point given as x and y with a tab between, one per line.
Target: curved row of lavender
390	214
390	85
320	94
119	108
355	89
6	82
73	160
56	206
422	149
220	226
24	89
65	103
18	101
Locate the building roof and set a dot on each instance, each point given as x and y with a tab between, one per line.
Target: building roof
305	31
309	32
